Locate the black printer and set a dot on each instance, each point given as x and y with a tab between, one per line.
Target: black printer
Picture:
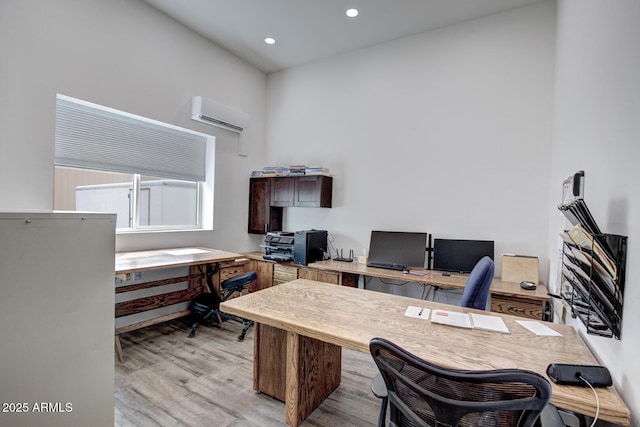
279	246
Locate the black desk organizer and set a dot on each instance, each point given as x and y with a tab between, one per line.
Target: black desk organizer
595	296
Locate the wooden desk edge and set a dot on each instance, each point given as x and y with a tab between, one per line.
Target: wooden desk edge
196	259
498	287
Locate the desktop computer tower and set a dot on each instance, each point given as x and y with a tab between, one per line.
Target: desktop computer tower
309	246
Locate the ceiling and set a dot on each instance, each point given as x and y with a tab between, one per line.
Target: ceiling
309	30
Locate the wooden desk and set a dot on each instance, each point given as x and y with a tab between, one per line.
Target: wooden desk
315	320
128	263
131	262
506	297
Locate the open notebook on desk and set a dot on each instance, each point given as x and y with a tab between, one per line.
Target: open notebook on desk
469	320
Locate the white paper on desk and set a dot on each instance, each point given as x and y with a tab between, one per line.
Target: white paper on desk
489	323
538	328
452	318
417	312
186	251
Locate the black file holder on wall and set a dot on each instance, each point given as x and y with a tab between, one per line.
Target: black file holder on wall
593	268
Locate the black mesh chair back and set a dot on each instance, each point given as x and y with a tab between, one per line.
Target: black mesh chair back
422	394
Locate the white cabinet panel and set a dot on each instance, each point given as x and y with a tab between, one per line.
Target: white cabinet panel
57	318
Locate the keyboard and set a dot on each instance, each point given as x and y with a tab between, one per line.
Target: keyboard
387	265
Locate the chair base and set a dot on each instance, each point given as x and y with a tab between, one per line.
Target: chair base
246	323
208	304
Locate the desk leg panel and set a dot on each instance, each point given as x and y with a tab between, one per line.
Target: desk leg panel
313	371
270	358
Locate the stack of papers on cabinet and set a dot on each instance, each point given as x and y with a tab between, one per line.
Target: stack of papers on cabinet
469	320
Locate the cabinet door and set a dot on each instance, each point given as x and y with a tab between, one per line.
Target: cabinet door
282	191
264	270
262	216
284	273
320	276
313	191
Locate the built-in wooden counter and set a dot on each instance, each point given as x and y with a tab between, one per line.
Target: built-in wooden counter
506	297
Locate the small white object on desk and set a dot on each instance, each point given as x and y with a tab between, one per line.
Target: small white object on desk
470	320
417	312
489	323
538	328
185	251
413	272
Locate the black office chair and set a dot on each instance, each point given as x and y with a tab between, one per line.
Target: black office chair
205	305
554	417
475	294
422	394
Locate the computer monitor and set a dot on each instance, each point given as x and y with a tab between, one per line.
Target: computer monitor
460	255
397	247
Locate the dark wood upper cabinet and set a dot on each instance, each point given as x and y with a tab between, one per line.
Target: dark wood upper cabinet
262	216
313	191
282	189
267	197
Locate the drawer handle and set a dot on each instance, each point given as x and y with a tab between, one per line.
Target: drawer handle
518	309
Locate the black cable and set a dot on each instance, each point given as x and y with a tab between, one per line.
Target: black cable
392	284
330	247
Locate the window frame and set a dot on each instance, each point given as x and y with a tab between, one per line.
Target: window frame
204	189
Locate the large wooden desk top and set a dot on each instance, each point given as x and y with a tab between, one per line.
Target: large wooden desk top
432	277
350	317
130	262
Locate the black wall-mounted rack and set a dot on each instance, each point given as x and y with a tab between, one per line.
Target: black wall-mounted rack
593	266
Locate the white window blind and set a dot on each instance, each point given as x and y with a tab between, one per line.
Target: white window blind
94	137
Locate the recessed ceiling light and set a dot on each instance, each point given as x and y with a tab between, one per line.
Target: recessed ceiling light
270	40
352	13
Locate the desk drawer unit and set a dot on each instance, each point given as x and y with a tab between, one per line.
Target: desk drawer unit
319	276
284	273
517	307
229	269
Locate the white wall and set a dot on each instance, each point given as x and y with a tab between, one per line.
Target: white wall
597	124
128	56
447	132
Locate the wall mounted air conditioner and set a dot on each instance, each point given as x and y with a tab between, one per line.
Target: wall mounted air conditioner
214	113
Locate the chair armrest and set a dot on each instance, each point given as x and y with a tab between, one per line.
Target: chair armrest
378	387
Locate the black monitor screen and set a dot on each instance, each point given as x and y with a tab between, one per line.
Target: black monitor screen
402	248
460	255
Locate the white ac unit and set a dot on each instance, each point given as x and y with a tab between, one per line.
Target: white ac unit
214	113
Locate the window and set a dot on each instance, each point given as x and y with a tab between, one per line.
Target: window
154	176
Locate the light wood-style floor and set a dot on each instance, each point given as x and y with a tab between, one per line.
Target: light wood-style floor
168	379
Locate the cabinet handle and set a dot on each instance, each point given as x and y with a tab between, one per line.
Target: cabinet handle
518	309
